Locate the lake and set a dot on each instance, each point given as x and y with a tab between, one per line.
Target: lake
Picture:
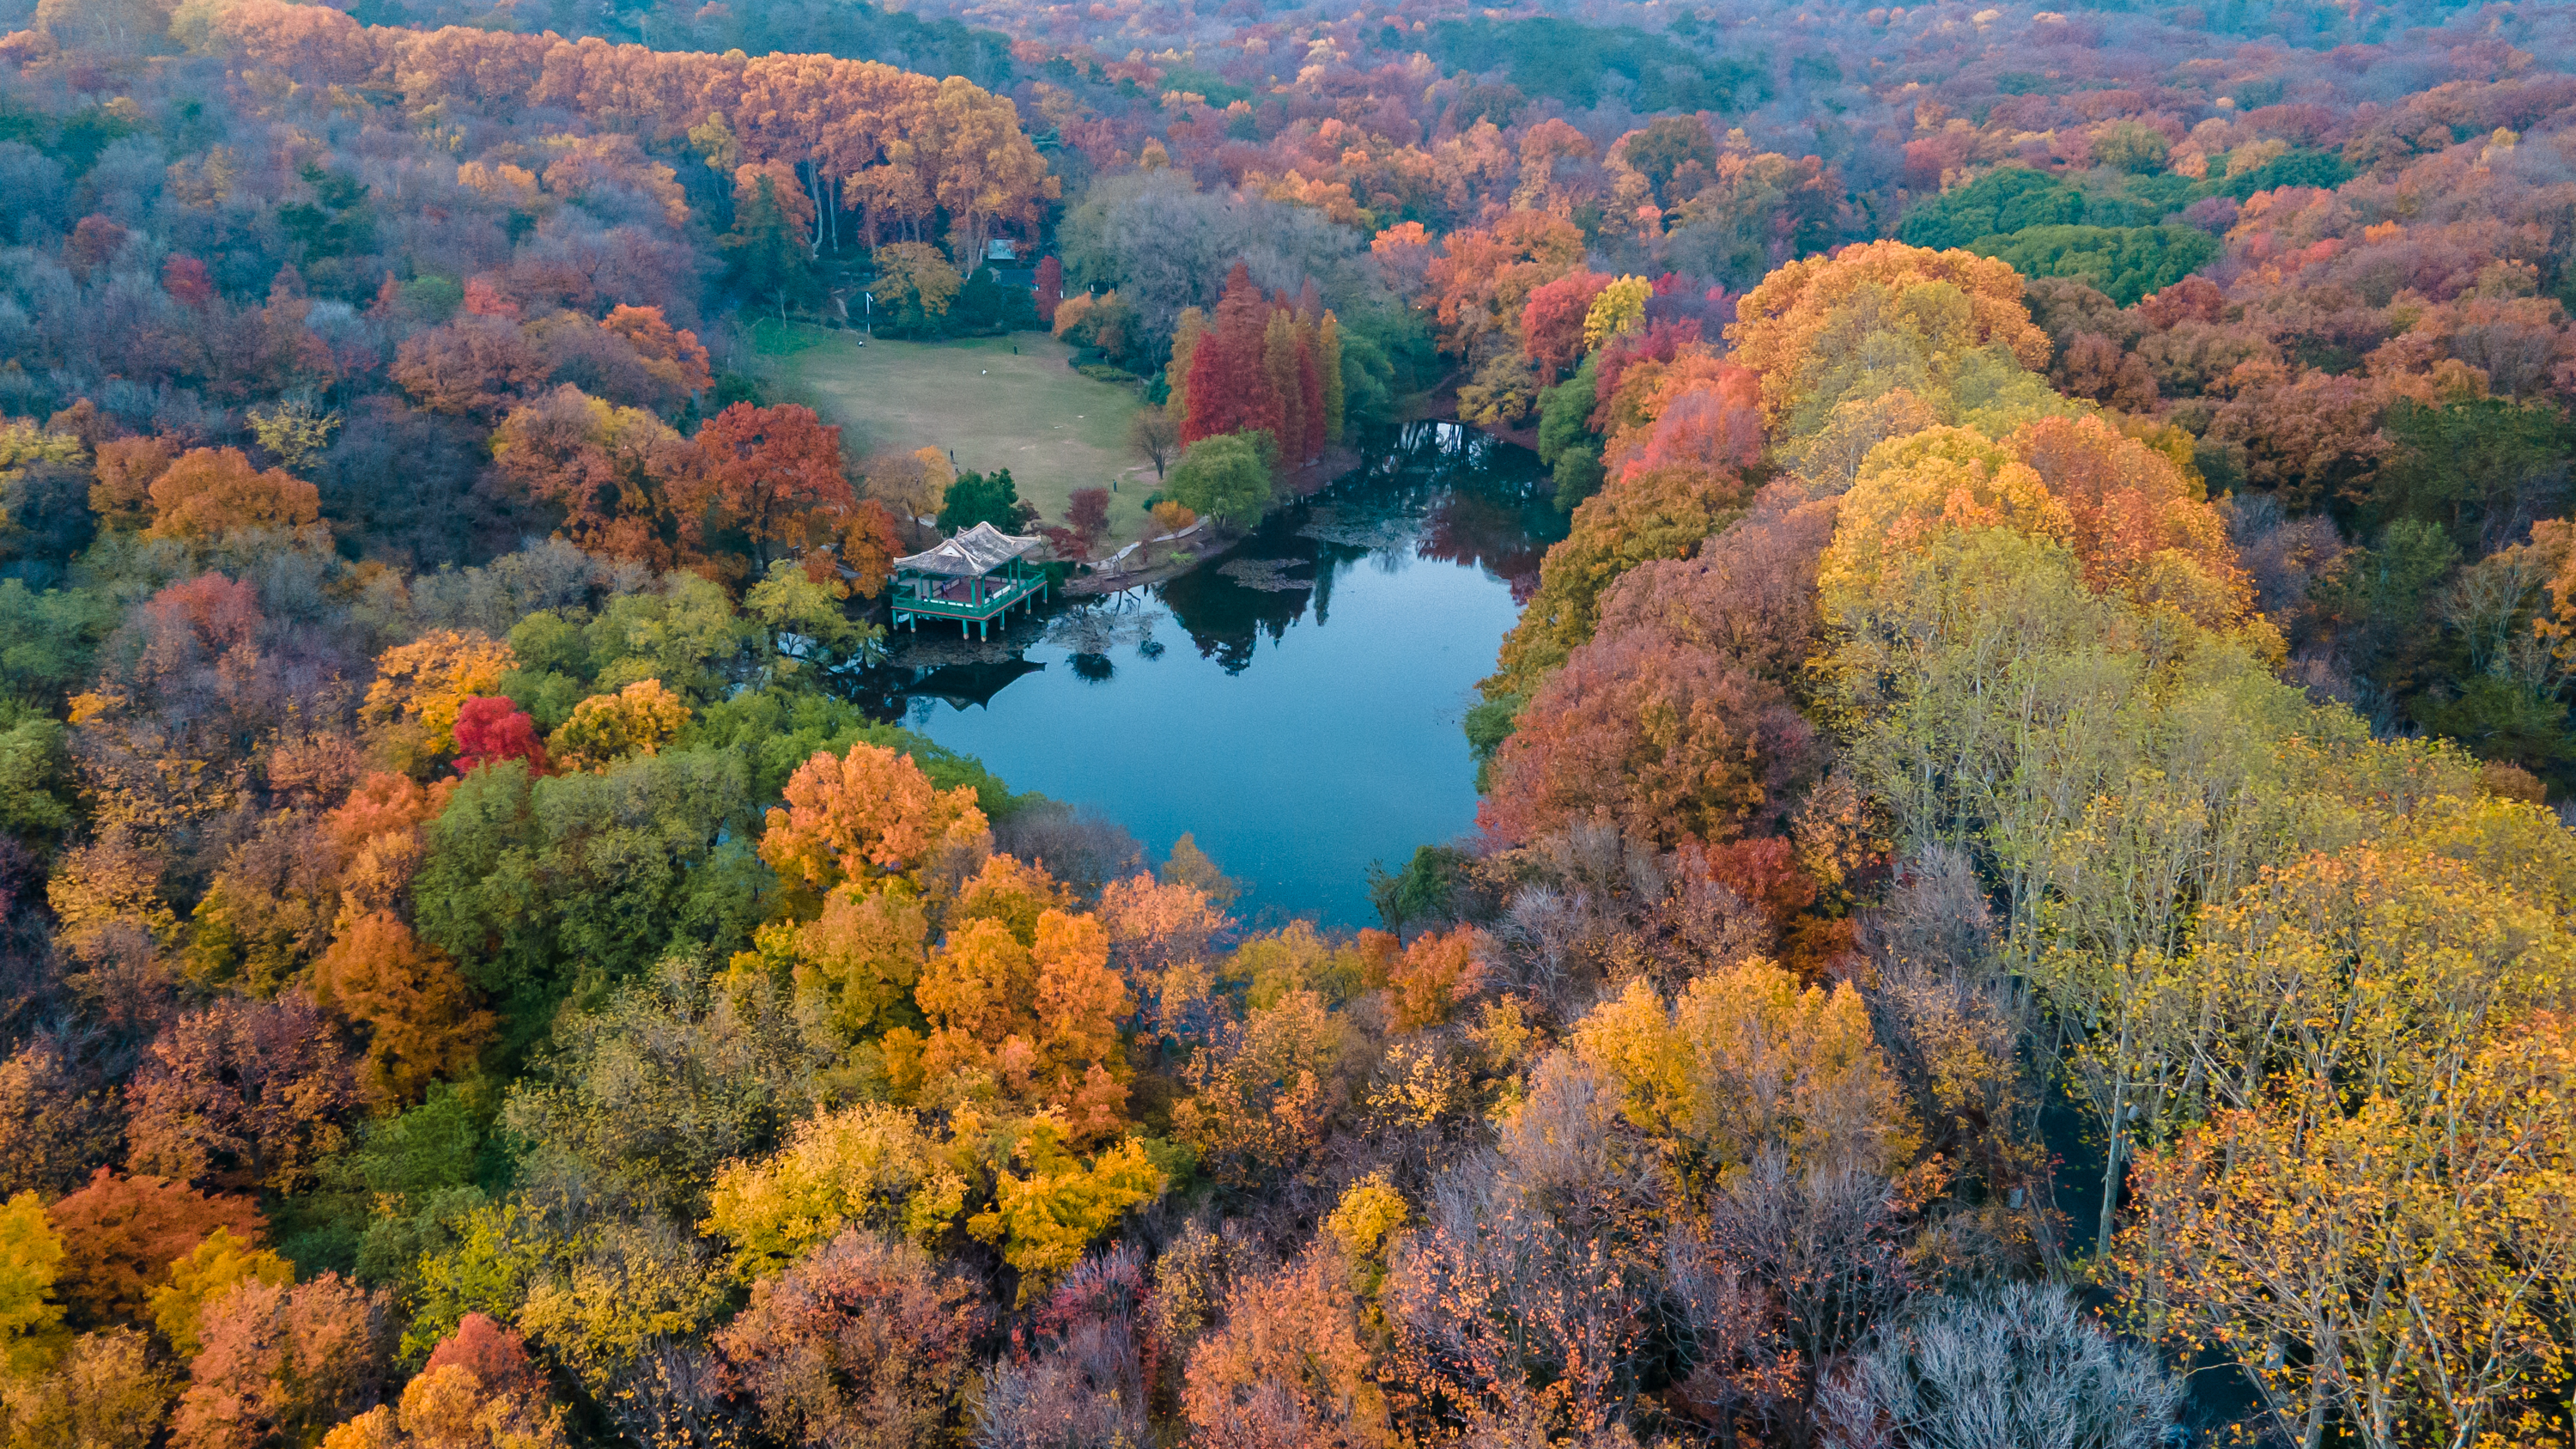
1293	703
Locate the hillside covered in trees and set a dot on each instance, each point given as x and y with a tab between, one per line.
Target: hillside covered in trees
2021	895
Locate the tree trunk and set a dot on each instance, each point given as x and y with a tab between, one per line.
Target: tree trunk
2111	1169
814	193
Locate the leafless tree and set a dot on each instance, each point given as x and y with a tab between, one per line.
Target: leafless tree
1085	1392
2023	1367
1080	847
1155	432
1790	1271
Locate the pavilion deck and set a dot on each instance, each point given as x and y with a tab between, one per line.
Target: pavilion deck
974	602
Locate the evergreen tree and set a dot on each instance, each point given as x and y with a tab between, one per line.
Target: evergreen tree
985	498
763	255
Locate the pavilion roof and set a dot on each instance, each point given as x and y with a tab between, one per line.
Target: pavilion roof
978	550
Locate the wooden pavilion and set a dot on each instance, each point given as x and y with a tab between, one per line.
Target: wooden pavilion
974	578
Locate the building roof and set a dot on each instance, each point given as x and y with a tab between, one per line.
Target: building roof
979	550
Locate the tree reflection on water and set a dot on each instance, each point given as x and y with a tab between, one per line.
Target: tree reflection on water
1432	491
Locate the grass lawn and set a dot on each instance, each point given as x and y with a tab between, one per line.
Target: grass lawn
1055	429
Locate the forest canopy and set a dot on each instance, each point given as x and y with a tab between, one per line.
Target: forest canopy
2022	832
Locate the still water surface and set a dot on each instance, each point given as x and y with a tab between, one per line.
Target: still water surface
1295	703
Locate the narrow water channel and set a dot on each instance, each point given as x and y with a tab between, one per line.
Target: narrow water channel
1295	703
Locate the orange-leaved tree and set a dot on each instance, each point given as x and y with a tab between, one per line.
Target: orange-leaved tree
125	469
211	491
864	841
608	468
121	1234
773	475
1024	994
1433	975
1162	935
1485	275
673	354
863	816
2139	525
419	1014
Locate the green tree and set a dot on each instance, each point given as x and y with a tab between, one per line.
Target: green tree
2004	200
1423	891
1566	442
2470	464
2125	263
673	1075
686	634
1224	478
1368	381
764	257
415	1182
806	627
782	726
985	498
46	640
2325	170
534	884
35	774
2130	146
2379	599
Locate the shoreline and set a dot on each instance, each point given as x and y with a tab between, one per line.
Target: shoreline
1338	462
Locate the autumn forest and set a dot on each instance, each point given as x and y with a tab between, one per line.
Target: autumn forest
2021	891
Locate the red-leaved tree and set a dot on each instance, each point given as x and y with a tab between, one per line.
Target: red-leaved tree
1552	320
496	1356
490	729
1228	389
1662	739
1050	289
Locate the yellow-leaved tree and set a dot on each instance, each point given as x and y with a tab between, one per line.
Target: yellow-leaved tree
1045	1217
870	1166
31	1257
605	728
421	685
1749	1059
2371	1091
205	1274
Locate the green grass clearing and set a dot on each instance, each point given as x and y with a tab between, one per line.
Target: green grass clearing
773	338
1055	429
